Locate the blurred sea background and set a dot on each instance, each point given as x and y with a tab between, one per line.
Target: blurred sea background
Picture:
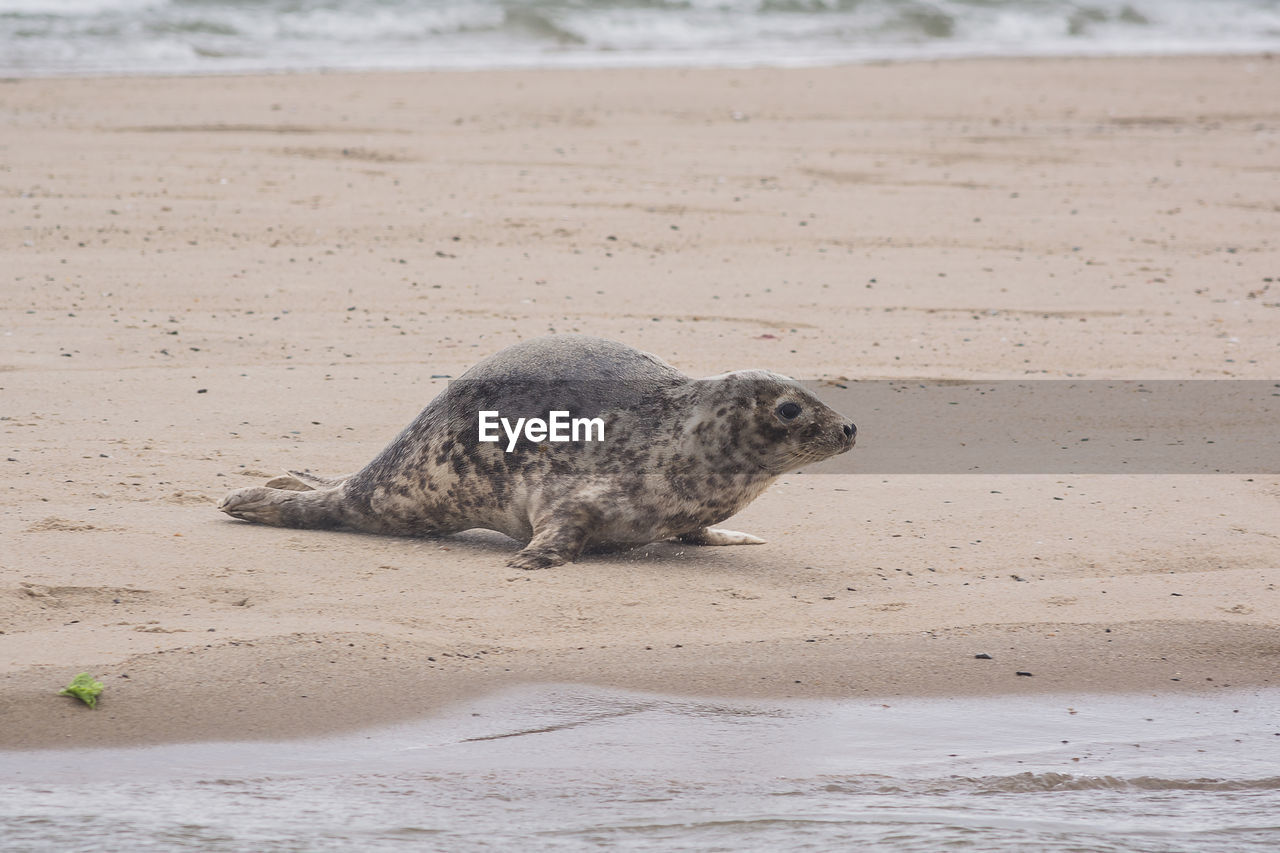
39	37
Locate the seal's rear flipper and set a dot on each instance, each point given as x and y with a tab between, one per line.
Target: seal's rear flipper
289	483
716	536
312	508
318	482
301	481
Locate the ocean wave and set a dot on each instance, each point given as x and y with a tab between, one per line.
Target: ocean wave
177	36
1032	783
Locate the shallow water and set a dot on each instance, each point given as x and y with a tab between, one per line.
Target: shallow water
575	768
201	36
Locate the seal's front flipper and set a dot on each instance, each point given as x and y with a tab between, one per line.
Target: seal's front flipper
539	559
716	536
553	545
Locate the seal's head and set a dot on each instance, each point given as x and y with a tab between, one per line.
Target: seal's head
774	422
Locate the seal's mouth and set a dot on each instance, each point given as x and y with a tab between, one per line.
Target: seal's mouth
824	448
827	442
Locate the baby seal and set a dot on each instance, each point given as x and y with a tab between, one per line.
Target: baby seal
675	456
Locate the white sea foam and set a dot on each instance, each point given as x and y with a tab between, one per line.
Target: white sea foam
178	36
72	8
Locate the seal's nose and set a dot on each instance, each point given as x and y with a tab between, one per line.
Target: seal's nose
850	430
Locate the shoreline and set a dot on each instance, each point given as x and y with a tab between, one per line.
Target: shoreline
299	687
1252	53
546	760
213	280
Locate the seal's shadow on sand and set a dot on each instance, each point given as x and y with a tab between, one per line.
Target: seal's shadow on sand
485	542
656	553
480	542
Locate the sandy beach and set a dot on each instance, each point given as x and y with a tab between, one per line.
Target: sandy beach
208	281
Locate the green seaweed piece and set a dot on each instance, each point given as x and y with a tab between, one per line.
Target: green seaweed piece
85	688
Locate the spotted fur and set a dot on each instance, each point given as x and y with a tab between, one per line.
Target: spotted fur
678	456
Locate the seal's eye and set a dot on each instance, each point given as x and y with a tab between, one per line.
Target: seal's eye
789	411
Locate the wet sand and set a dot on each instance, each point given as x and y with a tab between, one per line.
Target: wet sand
575	767
208	281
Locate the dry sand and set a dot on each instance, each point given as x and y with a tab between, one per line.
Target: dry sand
208	281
